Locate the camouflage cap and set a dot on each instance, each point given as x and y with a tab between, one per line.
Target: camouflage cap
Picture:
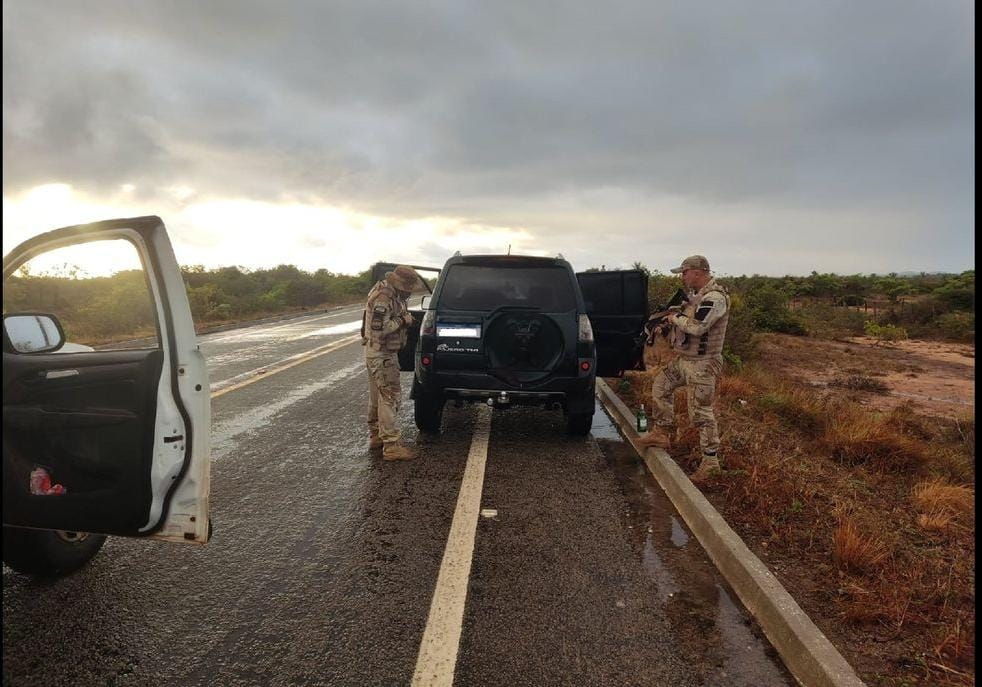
404	278
693	262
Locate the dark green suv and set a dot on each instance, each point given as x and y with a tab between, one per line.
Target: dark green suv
521	330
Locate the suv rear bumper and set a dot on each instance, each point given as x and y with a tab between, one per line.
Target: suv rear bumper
573	393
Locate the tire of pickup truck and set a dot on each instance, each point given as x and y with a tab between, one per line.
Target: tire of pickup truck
48	553
579	424
428	413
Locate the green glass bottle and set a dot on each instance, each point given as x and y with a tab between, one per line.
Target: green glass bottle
642	420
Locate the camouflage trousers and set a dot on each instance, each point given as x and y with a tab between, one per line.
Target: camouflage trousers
384	394
699	376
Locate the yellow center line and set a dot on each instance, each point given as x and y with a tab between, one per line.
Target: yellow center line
265	373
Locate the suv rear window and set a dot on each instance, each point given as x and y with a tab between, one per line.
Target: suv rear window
482	287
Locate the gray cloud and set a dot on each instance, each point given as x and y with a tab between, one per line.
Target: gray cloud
515	113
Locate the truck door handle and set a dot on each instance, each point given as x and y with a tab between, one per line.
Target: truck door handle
59	374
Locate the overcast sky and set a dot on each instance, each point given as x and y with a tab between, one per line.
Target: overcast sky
773	137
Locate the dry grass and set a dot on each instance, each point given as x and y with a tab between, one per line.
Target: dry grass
853	436
905	420
935	520
733	386
798	407
940	503
855	551
956	641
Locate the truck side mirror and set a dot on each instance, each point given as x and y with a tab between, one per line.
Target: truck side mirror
425	304
33	332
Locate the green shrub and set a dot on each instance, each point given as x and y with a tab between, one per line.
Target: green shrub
739	345
222	311
958	292
885	332
828	321
769	312
957	326
732	359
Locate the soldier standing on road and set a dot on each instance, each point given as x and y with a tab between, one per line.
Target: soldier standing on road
696	333
385	329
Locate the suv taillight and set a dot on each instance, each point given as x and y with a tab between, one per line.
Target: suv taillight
586	329
429	323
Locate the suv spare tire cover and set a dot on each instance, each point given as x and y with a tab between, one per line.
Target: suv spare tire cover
523	347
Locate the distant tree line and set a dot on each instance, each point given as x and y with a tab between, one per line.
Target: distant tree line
233	293
100	309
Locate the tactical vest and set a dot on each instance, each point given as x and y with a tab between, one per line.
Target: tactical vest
383	305
710	343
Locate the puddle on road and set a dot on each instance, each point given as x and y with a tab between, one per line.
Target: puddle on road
653	565
742	660
603	427
679	537
717	634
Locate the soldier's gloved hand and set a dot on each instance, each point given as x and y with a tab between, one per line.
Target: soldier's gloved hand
407	318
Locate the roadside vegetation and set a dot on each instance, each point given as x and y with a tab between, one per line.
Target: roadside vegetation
860	501
102	309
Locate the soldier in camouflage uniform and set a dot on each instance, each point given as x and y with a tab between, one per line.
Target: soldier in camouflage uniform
385	329
696	333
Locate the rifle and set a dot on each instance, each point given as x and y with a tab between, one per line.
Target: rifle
679	299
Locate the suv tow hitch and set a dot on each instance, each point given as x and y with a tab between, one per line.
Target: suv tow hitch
502	400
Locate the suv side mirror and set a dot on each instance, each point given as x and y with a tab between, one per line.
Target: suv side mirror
33	332
425	304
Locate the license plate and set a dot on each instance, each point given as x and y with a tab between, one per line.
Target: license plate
459	331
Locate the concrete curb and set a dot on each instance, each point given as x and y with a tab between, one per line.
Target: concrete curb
807	653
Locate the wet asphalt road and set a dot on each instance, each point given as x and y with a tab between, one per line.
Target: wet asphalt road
324	559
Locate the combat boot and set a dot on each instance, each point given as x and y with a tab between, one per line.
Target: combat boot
374	442
396	451
656	437
709	467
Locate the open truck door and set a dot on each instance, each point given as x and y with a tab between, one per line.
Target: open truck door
113	440
617	305
407	354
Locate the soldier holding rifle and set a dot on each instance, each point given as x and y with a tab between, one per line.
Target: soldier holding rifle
696	328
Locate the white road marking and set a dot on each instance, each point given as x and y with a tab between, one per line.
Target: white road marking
246	378
437	657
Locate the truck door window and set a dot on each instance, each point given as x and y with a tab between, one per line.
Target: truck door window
98	291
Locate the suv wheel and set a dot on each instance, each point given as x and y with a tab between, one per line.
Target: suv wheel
428	412
48	552
579	424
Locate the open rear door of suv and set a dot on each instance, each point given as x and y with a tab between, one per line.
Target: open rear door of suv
617	304
407	354
112	440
